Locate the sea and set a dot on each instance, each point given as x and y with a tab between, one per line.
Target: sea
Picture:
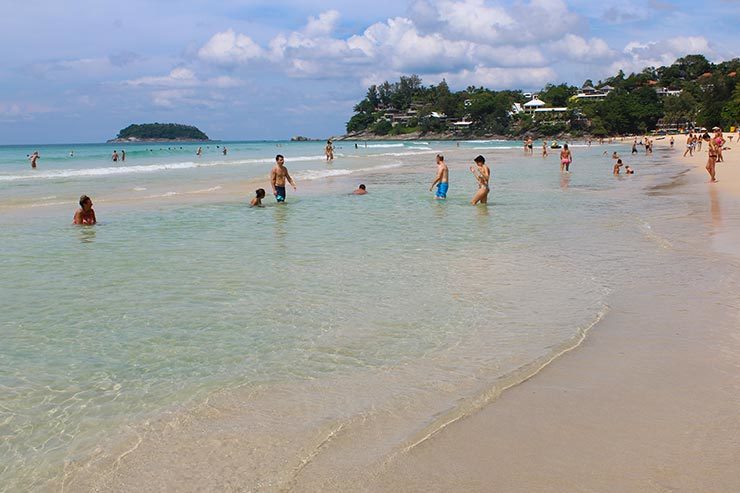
333	320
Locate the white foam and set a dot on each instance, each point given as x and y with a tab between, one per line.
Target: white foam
384	146
315	174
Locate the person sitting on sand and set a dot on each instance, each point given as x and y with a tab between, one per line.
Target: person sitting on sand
361	190
617	166
259	194
482	175
85	215
629	170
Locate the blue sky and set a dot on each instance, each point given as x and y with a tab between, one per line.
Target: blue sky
79	71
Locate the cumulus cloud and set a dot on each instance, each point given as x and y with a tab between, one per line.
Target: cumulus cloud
636	56
228	48
577	48
183	77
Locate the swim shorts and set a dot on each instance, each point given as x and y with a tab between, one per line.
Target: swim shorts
280	194
442	188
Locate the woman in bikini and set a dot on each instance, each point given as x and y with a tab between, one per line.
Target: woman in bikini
712	161
482	174
565	159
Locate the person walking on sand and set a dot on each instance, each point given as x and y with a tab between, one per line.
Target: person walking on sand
482	174
278	176
544	148
85	215
114	156
672	141
719	141
442	179
689	145
712	161
34	159
565	159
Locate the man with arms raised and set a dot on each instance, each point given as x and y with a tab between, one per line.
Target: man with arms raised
278	176
442	179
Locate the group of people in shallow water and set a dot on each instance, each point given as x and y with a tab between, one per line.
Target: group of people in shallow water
280	176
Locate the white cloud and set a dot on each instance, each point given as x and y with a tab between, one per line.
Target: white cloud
577	48
229	48
182	77
637	56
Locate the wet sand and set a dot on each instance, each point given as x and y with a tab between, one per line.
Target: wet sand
649	401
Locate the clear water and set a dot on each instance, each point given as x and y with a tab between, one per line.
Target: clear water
166	302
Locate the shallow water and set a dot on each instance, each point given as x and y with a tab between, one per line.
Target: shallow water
306	315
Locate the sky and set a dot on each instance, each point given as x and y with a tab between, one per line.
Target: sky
81	70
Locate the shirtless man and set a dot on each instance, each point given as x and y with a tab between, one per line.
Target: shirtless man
33	158
689	145
442	179
617	166
85	215
361	190
114	156
482	174
278	177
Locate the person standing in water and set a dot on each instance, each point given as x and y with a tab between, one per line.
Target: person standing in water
259	194
123	154
482	174
361	190
114	156
329	151
34	159
442	179
565	159
225	151
85	215
199	152
278	176
544	148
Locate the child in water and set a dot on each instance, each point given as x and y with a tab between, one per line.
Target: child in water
257	200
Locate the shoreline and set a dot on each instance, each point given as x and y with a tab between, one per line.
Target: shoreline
628	409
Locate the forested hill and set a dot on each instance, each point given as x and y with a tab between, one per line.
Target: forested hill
690	92
160	131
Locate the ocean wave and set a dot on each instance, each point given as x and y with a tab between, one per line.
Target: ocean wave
316	174
384	146
147	168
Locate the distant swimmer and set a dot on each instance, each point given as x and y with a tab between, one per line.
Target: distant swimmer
329	151
225	151
615	155
565	159
71	153
259	194
442	179
199	152
278	176
123	154
617	167
629	170
85	215
361	190
34	159
114	156
482	174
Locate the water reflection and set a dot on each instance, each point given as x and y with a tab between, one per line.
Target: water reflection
714	207
87	234
564	181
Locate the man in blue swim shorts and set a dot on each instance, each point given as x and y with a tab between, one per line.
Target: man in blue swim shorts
278	176
442	179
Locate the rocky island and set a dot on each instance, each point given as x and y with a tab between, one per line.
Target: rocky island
160	132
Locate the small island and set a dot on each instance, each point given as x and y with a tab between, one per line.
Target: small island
158	132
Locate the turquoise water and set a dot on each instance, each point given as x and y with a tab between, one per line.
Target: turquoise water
166	302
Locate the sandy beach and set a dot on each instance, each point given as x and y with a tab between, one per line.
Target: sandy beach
644	404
